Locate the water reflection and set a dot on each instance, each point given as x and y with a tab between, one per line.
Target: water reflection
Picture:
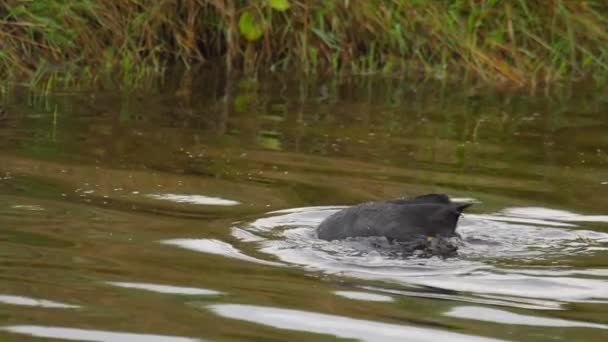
28	301
31	207
505	317
75	334
513	284
529	221
339	326
477	298
89	160
365	296
194	199
553	215
218	247
169	289
244	235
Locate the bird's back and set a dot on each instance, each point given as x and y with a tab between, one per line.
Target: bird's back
398	219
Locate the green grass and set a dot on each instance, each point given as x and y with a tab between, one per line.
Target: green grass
521	43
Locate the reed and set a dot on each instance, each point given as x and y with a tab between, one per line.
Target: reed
523	43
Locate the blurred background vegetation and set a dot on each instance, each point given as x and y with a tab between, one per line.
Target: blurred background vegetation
516	43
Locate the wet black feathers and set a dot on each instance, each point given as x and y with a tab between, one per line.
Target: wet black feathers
397	219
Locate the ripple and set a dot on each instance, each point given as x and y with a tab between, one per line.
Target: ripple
194	199
27	301
524	220
246	236
556	288
218	247
493	237
506	317
552	214
500	300
75	334
510	236
343	327
169	289
29	207
365	296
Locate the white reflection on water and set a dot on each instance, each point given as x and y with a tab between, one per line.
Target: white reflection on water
218	247
290	236
478	298
505	317
246	236
560	288
194	199
169	289
32	207
339	326
538	222
366	296
552	214
27	301
91	335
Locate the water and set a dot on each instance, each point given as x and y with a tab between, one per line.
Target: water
187	212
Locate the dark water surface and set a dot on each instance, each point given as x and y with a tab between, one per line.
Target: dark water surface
188	213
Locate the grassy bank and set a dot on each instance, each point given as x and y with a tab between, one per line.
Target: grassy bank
524	43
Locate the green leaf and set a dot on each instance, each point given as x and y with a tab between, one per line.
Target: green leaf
496	36
250	27
279	5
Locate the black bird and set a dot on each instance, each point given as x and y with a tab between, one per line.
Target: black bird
418	220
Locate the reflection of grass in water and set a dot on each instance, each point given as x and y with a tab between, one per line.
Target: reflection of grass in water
437	138
33	239
35	187
270	140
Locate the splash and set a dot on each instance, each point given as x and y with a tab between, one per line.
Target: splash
491	267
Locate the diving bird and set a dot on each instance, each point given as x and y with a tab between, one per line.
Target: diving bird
404	220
